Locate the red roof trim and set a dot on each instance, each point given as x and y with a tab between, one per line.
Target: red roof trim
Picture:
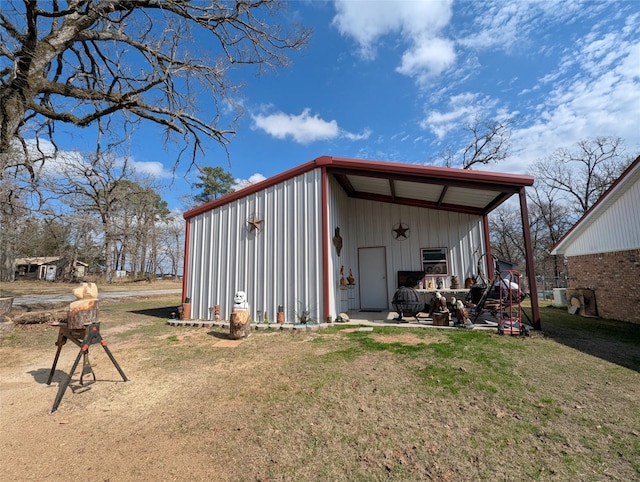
418	170
366	166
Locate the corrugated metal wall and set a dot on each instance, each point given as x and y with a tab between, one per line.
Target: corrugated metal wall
281	265
370	224
339	217
616	229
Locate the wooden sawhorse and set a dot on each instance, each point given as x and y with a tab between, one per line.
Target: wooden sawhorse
85	336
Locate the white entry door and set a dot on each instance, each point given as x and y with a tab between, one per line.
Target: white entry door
372	267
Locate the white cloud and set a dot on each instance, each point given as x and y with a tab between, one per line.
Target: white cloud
510	25
304	128
592	90
427	58
599	97
253	179
363	136
51	160
46	160
463	108
418	23
154	169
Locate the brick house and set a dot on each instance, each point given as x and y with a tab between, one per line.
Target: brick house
603	251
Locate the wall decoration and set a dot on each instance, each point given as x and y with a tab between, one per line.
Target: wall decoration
254	223
350	279
337	241
400	231
343	281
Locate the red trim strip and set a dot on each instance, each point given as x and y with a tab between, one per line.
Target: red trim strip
325	244
185	269
528	249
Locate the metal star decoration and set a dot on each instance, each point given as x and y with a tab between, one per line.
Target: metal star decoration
401	231
255	223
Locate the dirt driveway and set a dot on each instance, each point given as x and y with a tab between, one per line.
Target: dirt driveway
319	405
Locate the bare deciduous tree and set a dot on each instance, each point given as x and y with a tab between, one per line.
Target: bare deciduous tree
97	185
550	218
505	227
582	174
171	243
489	142
80	61
13	211
567	184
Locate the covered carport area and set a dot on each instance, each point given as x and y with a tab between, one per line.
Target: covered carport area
438	188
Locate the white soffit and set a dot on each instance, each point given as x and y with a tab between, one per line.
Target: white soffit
373	185
418	190
422	191
469	197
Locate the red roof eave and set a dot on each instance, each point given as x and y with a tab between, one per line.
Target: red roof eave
365	167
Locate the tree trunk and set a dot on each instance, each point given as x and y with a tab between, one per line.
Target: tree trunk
12	109
108	255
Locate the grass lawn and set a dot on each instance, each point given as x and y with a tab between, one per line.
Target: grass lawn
328	405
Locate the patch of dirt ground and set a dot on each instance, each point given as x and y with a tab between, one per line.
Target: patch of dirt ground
310	406
107	430
179	418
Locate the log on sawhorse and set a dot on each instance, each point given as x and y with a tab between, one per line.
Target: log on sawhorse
85	336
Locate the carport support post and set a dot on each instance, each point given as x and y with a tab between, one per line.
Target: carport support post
528	249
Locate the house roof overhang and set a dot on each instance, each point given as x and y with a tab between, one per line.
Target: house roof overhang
36	260
629	176
441	188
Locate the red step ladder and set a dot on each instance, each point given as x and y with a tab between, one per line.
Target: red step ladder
510	312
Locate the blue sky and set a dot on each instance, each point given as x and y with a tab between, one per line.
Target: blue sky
398	80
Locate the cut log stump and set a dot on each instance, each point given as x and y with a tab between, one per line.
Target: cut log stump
6	304
239	326
82	313
440	319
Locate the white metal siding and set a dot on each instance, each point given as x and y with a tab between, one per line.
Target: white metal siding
461	234
617	228
341	300
281	265
370	224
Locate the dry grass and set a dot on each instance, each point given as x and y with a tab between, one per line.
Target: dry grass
333	405
39	287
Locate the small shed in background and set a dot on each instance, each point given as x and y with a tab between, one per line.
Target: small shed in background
336	235
603	253
47	268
